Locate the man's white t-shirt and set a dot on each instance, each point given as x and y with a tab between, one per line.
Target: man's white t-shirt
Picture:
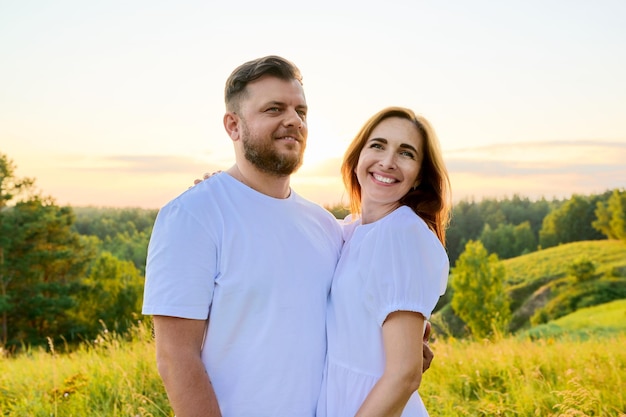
260	268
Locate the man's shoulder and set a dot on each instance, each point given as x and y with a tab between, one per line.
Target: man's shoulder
319	217
315	208
206	189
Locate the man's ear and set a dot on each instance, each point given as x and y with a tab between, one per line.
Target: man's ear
231	124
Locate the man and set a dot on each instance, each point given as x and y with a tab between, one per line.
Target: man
239	266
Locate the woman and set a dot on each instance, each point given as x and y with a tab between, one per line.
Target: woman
392	270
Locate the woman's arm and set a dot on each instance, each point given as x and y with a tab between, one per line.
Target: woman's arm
402	340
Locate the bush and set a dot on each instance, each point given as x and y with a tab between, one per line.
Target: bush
583	269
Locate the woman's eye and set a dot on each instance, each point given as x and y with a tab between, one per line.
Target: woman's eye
408	154
376	146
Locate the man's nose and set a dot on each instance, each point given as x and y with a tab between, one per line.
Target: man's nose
293	118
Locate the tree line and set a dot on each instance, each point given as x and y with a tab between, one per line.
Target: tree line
515	226
68	273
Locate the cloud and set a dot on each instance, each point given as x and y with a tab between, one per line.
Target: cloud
546	169
140	164
532	169
540	158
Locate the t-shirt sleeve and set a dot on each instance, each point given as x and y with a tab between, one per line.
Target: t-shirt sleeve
405	268
180	267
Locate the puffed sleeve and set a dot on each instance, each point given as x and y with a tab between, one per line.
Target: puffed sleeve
347	226
181	265
405	269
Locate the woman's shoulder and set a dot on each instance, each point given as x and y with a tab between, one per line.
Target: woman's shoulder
348	225
404	217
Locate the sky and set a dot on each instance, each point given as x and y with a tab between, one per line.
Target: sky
120	103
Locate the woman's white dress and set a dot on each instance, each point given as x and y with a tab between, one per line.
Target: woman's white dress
393	264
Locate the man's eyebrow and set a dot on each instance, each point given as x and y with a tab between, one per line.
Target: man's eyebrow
283	104
274	103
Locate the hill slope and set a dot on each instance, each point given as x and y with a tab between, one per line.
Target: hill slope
605	319
541	289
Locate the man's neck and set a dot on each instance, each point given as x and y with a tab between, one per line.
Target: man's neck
268	184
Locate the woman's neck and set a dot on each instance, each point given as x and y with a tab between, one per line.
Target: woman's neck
374	212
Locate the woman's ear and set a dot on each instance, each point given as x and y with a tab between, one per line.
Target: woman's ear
417	182
231	124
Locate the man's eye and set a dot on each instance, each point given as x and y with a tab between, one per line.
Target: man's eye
302	114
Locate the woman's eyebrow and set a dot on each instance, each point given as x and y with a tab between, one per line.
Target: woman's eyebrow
407	146
403	145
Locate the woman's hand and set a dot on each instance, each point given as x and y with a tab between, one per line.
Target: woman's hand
204	177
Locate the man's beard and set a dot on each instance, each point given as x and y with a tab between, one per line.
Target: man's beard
267	159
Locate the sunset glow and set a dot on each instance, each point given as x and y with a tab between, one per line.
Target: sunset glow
121	104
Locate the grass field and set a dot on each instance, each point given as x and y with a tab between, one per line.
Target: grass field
110	377
514	376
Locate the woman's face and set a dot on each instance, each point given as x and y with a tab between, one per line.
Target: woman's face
389	162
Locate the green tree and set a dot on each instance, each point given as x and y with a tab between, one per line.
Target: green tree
469	219
11	188
571	222
41	261
507	240
519	210
111	297
479	298
466	224
107	222
611	216
524	240
44	262
129	247
124	232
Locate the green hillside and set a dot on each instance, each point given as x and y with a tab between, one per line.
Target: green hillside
541	287
547	264
602	320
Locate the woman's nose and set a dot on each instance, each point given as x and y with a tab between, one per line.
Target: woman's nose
388	160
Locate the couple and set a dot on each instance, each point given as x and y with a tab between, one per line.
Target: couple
240	267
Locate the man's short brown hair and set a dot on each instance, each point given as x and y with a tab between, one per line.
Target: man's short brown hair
273	65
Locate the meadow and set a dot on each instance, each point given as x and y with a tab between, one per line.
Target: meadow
573	366
572	369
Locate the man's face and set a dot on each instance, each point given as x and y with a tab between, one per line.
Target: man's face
273	125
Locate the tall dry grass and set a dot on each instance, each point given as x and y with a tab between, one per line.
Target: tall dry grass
509	377
513	377
111	376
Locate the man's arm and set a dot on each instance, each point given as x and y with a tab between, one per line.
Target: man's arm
179	361
428	353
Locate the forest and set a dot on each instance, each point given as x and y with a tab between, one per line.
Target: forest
69	273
